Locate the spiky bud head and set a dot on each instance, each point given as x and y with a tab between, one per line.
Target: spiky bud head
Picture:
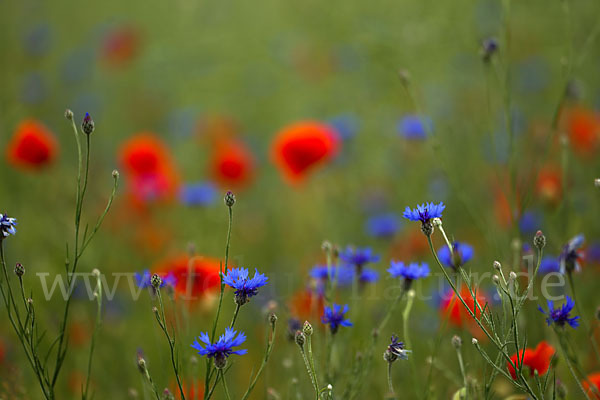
229	199
307	328
156	281
87	125
539	240
19	269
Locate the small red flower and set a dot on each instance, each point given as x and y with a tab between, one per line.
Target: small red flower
594	379
195	277
549	184
306	304
32	146
584	130
453	309
232	164
120	46
148	166
536	359
301	147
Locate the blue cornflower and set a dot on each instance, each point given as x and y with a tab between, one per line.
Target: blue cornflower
461	254
593	253
342	275
7	226
198	194
334	316
368	275
570	256
222	348
425	213
359	257
383	225
548	265
409	272
395	350
530	222
560	316
144	279
413	127
244	287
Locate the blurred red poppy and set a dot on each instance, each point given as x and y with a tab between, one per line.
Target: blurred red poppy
120	46
195	277
453	309
594	379
32	146
299	148
549	184
536	359
584	130
232	164
147	164
306	304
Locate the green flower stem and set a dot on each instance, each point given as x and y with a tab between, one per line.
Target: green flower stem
224	385
589	330
97	325
562	345
235	314
269	349
311	360
389	379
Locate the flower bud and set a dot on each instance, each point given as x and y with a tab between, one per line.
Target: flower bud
68	114
87	125
437	222
497	265
300	339
142	365
597	182
539	240
456	342
307	329
115	174
475	341
496	279
156	281
229	199
512	276
272	319
19	269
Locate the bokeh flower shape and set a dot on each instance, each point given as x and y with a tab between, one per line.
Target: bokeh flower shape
536	359
32	146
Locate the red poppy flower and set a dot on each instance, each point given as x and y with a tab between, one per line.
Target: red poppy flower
306	304
232	164
120	45
146	162
193	390
32	146
536	359
301	147
584	130
549	184
195	277
453	309
594	379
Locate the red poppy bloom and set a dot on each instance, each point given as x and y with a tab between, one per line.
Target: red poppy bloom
458	315
195	277
594	379
584	130
306	304
193	390
301	147
232	164
32	146
120	45
536	359
549	184
146	162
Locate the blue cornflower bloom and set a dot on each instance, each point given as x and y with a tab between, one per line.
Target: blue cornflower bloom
359	257
342	275
409	272
530	222
548	265
570	256
198	194
461	254
395	350
383	225
144	279
368	275
560	316
424	212
244	287
222	348
334	316
7	226
413	127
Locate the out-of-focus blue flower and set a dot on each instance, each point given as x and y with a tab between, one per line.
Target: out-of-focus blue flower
409	272
383	225
7	225
571	256
198	194
346	125
334	317
222	348
548	265
245	288
593	253
560	316
144	279
294	325
342	275
359	257
368	275
413	127
462	253
424	212
530	222
36	41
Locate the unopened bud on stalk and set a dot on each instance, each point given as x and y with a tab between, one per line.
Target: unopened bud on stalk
456	342
68	114
87	125
154	310
512	276
300	339
96	272
326	246
497	265
142	365
307	329
229	199
115	174
437	222
272	319
19	269
475	341
539	240
496	279
156	281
